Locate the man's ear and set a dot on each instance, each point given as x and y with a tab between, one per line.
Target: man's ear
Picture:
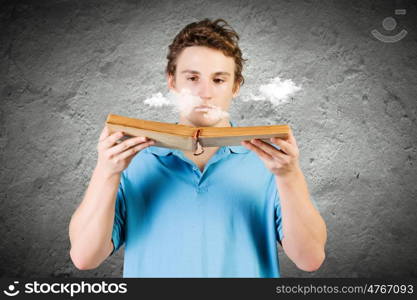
236	89
171	82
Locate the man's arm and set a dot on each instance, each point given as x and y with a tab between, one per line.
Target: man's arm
304	229
91	226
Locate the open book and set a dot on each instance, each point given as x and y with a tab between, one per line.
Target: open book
190	138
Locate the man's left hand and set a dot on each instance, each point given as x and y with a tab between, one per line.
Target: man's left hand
280	162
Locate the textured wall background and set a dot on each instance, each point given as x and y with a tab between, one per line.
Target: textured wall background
66	64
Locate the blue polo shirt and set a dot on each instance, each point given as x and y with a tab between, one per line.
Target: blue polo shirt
176	221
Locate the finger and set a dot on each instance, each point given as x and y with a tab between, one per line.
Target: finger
104	133
271	150
257	150
285	146
126	145
111	140
134	150
291	138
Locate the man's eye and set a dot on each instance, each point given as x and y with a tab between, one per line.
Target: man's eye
218	80
192	78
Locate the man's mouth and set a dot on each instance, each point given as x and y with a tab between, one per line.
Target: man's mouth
204	108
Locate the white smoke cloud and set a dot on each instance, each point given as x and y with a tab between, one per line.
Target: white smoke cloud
277	91
214	113
185	102
157	100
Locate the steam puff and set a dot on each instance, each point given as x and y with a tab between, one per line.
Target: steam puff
157	100
216	113
184	102
277	91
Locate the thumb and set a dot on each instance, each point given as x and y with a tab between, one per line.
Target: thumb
104	133
291	138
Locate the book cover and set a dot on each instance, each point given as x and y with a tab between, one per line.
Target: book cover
189	138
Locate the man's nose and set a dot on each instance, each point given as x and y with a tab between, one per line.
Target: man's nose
205	90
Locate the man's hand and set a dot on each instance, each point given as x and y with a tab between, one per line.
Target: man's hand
280	162
114	157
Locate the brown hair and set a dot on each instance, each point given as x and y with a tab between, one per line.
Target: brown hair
213	34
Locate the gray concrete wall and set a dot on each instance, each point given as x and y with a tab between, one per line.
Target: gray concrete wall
64	65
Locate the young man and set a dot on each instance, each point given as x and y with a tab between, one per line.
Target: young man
219	214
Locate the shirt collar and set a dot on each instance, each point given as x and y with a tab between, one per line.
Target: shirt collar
161	151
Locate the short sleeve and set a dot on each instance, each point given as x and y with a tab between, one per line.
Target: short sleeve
273	192
118	234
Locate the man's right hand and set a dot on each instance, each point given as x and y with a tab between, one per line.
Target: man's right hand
114	157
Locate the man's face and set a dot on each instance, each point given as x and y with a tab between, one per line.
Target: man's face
209	74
